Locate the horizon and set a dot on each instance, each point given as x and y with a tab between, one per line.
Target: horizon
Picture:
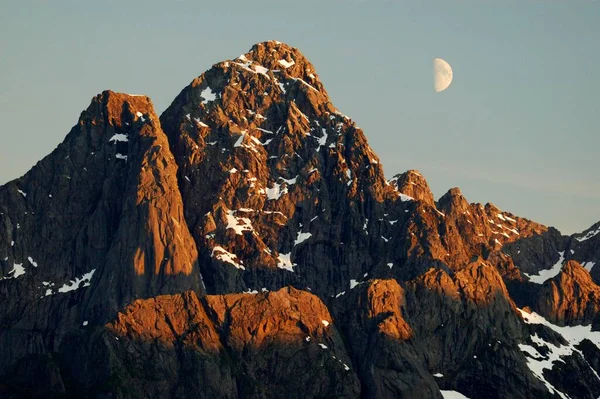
500	133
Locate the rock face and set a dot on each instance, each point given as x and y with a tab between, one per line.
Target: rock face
247	244
94	225
261	345
570	298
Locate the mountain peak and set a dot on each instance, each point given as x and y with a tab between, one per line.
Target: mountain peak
118	109
413	184
252	185
453	200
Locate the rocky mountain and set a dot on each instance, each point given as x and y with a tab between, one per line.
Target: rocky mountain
246	243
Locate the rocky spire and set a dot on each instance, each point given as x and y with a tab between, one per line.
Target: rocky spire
113	227
413	184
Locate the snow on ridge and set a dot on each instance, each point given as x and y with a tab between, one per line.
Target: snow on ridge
588	265
262	70
239	141
588	235
546	274
537	362
199	122
258	69
305	83
223	255
264	130
24	194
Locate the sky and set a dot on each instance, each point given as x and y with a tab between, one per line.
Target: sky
518	126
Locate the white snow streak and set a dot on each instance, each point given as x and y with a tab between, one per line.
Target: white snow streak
544	275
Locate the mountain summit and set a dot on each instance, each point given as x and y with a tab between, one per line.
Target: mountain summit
247	244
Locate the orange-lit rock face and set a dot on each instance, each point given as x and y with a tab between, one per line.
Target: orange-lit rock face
284	339
481	283
571	297
260	320
244	321
166	246
168	319
385	303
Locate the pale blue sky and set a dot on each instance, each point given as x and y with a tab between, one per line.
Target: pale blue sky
518	126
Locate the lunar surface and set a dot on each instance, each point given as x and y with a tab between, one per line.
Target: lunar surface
442	74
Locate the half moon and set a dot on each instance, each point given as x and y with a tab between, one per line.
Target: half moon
442	74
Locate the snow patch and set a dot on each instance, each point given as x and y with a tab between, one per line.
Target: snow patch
588	265
199	122
239	141
572	334
322	140
208	95
119	137
223	255
453	395
285	63
276	191
18	270
544	275
261	69
77	283
405	198
284	261
258	69
238	224
301	237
